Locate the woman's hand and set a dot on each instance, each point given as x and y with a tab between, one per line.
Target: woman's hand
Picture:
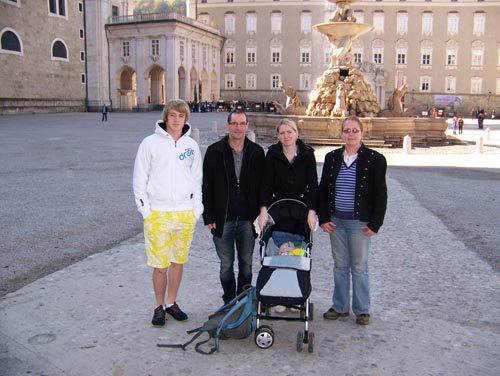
312	220
262	219
328	227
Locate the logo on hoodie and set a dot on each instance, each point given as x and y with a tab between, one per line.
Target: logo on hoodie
189	152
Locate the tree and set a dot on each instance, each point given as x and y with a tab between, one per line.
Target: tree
160	6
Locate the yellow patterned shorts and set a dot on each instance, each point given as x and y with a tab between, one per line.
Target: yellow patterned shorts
168	237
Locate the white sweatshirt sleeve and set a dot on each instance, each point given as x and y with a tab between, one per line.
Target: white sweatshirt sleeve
197	171
140	180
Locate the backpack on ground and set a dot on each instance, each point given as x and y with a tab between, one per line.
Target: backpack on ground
236	320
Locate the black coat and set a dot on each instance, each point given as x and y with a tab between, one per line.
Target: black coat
371	189
282	179
217	165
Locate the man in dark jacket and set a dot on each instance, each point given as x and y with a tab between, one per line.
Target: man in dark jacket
232	172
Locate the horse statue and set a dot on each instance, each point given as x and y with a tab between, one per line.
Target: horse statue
293	104
394	104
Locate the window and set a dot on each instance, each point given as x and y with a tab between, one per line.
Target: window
378	22
360	16
276	55
305	22
10	42
401	56
477	57
80	7
402	23
251	23
426	56
328	51
57	7
427	23
193	53
251	81
451	57
305	81
125	48
181	50
275	80
83	78
155	47
229	55
276	22
204	18
82	56
476	85
450	84
377	55
59	51
229	22
479	23
114	11
305	55
358	55
425	83
452	23
81	34
229	79
251	55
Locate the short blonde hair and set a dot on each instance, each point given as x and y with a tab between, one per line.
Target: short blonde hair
176	105
352	118
288	122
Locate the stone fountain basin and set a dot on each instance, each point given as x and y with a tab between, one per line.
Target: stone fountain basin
379	131
337	30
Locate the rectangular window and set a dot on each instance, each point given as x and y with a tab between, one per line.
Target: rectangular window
377	55
427	23
450	84
401	56
82	56
327	55
115	12
425	83
230	78
305	55
57	7
477	58
229	55
453	23
155	47
305	22
126	48
229	23
251	79
479	23
84	78
276	22
251	22
360	16
378	22
81	34
402	23
275	81
451	57
426	56
251	55
476	84
305	81
80	7
275	55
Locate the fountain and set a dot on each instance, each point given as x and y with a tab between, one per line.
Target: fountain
342	91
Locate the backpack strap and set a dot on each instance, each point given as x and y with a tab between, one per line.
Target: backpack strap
183	345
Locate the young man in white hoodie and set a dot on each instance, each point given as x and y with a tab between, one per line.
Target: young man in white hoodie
167	190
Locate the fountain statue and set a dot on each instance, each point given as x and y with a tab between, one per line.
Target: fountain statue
342	91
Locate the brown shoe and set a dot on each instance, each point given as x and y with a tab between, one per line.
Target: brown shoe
363	319
331	314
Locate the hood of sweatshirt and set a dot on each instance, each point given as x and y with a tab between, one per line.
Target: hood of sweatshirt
161	129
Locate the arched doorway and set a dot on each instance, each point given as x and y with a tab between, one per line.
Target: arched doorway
156	83
127	89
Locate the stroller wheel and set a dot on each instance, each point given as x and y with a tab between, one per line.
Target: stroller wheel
300	337
264	337
310	345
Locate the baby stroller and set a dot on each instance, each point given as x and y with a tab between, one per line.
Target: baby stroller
284	277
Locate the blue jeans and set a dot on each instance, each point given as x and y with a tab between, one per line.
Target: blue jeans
241	235
350	249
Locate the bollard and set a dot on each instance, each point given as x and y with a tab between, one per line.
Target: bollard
479	145
251	136
196	135
214	126
487	134
407	144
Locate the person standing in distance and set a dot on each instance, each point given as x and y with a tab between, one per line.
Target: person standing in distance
232	173
167	188
352	206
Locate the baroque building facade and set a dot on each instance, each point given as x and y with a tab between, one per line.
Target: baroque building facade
447	52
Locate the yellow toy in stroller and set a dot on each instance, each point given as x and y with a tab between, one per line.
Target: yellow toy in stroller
284	277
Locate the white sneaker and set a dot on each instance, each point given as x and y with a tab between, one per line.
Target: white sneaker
279	309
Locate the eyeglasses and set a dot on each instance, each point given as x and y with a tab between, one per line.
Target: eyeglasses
235	124
351	130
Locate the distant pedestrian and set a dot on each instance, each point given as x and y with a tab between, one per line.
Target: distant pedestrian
460	125
104	112
480	119
455	124
167	189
